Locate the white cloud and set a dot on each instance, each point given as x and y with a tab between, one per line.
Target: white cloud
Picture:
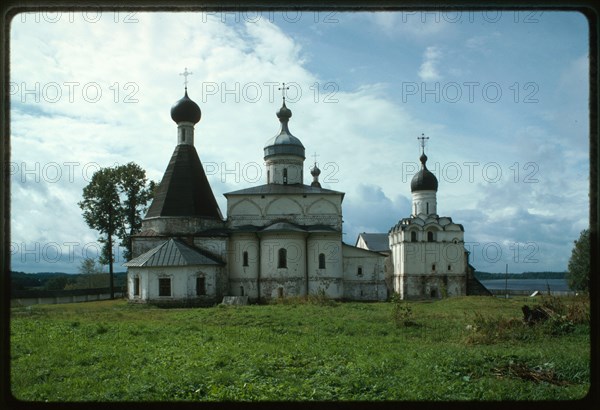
475	42
429	68
416	25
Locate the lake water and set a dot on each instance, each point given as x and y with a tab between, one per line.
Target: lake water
527	284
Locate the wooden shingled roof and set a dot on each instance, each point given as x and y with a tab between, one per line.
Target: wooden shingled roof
184	189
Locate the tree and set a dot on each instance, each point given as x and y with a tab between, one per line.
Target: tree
112	204
579	263
101	211
135	193
88	267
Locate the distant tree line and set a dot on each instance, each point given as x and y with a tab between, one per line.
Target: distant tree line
524	275
52	281
577	276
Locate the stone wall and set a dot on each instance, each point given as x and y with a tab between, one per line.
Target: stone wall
364	276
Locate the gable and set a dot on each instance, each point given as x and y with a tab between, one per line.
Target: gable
323	207
284	206
245	207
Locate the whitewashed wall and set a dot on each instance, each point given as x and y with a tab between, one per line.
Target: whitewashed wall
292	163
371	284
174	226
329	280
243	279
424	269
183	283
292	280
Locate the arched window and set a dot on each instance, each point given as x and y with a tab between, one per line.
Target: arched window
282	258
430	236
268	176
359	271
136	286
427	208
200	286
413	236
321	261
285	175
245	258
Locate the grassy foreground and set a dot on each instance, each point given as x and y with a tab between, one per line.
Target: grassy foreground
113	351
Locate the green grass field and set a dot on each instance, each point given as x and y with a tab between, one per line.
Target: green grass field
113	351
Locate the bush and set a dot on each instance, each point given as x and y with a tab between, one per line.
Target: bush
321	299
553	305
402	312
490	330
558	325
578	311
562	318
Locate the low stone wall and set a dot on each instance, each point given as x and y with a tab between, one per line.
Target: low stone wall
51	300
518	292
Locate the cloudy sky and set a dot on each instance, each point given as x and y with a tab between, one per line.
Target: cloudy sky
501	95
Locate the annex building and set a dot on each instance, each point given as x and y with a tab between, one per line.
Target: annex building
283	238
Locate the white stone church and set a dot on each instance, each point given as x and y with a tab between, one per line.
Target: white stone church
283	238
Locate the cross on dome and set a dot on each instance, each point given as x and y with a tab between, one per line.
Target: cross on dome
422	140
283	88
185	76
315	155
315	172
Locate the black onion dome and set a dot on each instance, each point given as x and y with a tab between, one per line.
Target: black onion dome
424	180
315	172
185	110
284	112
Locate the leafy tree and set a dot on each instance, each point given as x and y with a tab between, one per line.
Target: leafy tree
101	211
136	192
579	263
88	267
112	204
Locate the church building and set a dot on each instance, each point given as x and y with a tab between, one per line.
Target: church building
428	251
282	238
